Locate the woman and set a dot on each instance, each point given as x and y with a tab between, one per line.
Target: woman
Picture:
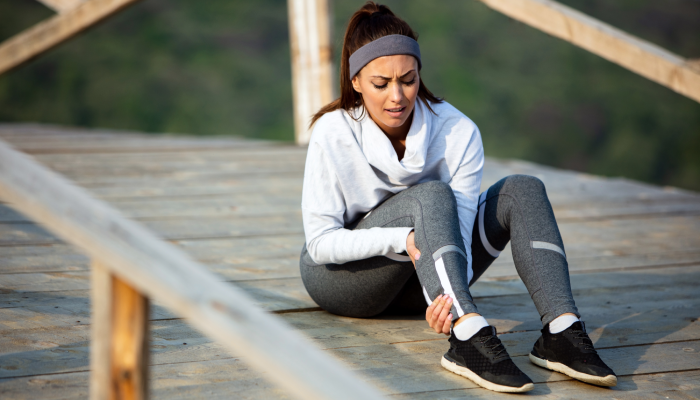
393	216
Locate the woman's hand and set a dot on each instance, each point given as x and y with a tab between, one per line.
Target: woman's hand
438	314
411	249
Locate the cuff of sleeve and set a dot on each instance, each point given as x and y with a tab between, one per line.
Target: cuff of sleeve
399	236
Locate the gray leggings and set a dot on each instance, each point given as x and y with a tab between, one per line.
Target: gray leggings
516	208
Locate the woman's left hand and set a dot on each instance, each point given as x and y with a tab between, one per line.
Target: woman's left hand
438	314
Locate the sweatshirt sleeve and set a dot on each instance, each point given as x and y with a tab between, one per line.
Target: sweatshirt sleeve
323	207
466	184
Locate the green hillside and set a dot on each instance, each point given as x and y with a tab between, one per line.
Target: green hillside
222	68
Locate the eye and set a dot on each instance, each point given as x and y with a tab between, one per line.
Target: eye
380	87
410	83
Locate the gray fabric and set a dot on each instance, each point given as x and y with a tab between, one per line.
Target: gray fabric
516	209
384	46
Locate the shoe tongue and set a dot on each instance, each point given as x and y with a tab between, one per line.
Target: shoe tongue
487	331
578	325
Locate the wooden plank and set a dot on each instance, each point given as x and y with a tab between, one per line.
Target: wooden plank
29	234
54	349
310	45
61	5
165	273
265	204
55	30
24	310
58	140
400	369
673	385
637	55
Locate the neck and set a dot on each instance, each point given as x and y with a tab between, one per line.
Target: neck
395	133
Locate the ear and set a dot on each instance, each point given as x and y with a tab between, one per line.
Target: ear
356	83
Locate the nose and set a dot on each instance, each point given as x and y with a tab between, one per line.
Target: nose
396	92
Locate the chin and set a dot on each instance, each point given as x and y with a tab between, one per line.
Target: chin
394	123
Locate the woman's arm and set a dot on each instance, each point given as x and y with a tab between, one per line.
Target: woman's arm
323	207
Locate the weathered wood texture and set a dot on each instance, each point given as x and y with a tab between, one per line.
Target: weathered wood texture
633	251
61	5
55	30
637	55
310	45
119	345
165	273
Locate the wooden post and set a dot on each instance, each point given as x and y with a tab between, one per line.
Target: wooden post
119	359
637	55
310	40
56	30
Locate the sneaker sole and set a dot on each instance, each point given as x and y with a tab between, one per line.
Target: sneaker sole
467	373
610	380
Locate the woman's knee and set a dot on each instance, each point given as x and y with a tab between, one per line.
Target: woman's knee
525	185
437	190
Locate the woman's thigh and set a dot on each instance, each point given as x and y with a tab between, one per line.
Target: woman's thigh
362	288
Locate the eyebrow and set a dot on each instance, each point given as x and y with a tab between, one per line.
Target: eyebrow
388	79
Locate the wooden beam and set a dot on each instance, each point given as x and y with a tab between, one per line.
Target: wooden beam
637	55
119	348
166	273
55	30
61	5
310	40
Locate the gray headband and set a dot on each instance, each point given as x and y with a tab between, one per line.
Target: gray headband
384	46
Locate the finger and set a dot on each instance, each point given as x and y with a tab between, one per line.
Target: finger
436	311
448	324
443	316
431	308
445	302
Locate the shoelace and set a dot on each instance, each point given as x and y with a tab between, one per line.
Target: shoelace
586	341
493	346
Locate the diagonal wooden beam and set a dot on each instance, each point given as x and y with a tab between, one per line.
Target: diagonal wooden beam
637	55
55	30
61	5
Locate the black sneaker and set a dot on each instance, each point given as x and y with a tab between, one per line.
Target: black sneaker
571	352
484	360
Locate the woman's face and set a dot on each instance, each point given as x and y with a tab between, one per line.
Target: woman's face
389	87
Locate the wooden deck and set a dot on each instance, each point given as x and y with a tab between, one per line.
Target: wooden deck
233	204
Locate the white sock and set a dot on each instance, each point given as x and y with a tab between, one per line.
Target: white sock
561	323
469	327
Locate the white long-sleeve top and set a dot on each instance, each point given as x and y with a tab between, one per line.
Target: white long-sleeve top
351	167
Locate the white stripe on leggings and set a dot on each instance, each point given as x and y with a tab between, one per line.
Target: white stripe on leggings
427	298
547	246
482	233
446	286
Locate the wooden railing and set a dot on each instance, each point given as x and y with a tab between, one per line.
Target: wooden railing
131	265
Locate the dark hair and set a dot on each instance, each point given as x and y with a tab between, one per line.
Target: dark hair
369	23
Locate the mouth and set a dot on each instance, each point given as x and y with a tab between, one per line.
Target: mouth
395	112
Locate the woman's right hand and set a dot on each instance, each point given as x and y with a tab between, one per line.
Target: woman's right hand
411	248
438	314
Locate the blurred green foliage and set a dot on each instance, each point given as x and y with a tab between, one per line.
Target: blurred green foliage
222	67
